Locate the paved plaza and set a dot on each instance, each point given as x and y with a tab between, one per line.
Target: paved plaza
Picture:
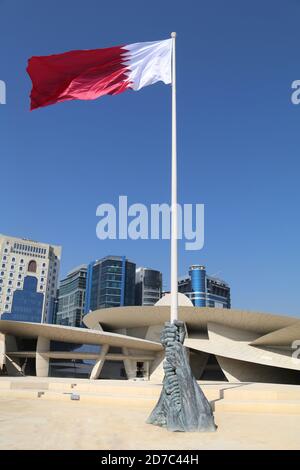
38	414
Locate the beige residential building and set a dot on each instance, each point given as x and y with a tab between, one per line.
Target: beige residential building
28	279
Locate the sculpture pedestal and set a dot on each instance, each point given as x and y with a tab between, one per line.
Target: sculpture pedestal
182	405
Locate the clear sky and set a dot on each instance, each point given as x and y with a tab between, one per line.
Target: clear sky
238	137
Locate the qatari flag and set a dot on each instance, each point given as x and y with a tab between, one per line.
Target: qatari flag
89	74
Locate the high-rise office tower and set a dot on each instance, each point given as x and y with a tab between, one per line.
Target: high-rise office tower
110	283
28	279
204	290
71	298
148	286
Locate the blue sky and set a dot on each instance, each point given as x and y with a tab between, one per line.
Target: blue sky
238	137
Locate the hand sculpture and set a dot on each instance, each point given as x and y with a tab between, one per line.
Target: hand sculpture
182	406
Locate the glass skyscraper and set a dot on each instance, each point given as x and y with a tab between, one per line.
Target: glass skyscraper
110	283
204	290
71	298
148	286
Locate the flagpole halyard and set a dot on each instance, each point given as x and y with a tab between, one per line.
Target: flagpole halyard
174	216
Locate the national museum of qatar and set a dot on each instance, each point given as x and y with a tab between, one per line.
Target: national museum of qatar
124	343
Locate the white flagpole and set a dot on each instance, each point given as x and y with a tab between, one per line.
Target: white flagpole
174	229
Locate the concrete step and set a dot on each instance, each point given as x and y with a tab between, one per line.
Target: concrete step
101	394
101	399
103	388
258	394
29	386
258	406
219	406
145	391
235	397
106	388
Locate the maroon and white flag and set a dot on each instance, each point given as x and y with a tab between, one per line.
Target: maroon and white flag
89	74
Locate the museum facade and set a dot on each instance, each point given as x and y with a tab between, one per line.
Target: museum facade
124	343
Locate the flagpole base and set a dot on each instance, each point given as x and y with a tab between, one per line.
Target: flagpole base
182	405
